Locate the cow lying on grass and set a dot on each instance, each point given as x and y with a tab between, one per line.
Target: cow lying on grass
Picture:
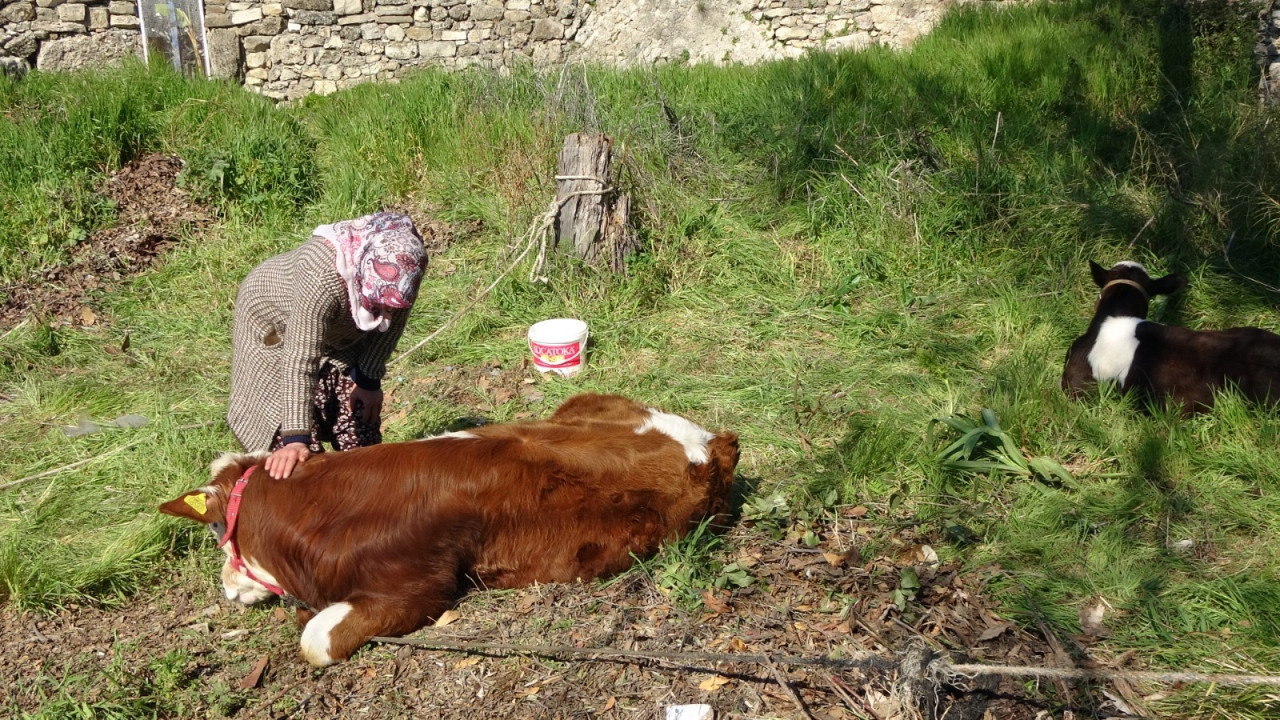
381	540
1166	364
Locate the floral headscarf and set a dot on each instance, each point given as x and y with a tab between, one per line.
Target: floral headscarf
381	259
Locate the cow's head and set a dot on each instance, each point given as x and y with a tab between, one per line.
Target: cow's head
1129	274
208	505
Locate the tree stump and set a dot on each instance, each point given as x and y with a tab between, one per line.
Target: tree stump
594	222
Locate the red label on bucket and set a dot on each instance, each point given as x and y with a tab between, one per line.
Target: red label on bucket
556	355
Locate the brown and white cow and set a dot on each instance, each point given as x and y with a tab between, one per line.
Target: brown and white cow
1166	363
382	540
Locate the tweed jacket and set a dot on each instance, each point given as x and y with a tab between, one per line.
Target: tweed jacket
291	315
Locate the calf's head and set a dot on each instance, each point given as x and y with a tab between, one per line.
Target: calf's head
208	505
1126	289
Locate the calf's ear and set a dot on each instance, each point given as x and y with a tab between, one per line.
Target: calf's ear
1168	284
1099	273
192	505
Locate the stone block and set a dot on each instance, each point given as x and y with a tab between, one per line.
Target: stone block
22	46
312	17
487	11
517	16
244	17
122	7
99	18
401	50
17	12
356	19
438	14
790	34
255	60
372	31
332	72
348	7
224	53
97	50
419	33
58	26
547	29
308	4
396	19
350	33
518	5
211	20
333	42
394	33
48	3
312	41
286	50
72	12
256	43
437	48
460	12
258	74
325	87
273	9
270	25
453	36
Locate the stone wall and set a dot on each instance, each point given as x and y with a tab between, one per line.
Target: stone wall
290	48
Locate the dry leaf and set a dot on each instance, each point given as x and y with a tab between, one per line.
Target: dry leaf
526	603
608	704
468	662
448	617
715	604
280	614
501	395
859	511
713	683
836	559
87	316
251	680
993	632
1091	619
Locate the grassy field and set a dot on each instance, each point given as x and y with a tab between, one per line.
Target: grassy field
841	251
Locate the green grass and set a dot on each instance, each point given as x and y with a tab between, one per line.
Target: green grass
840	251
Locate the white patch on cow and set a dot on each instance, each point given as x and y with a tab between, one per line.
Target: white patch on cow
315	636
1113	350
226	460
237	585
455	434
1132	264
693	438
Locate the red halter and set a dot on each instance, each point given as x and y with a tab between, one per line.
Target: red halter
233	511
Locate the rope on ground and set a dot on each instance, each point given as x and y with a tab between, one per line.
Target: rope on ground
937	667
536	236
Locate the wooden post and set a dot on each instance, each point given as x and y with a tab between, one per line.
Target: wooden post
595	224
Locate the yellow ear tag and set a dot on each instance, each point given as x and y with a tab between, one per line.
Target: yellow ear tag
197	502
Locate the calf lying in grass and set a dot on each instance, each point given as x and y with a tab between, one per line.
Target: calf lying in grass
1166	364
383	539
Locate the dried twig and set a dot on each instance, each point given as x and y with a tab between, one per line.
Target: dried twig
786	685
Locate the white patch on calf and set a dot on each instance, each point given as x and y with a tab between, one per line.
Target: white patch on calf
237	585
455	434
693	438
315	636
226	460
1132	264
1113	349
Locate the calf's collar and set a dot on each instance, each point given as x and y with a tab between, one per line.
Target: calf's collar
1131	283
233	512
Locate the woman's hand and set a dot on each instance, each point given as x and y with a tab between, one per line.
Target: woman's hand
371	405
280	464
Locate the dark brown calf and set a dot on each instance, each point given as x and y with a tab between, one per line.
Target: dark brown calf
1166	364
382	540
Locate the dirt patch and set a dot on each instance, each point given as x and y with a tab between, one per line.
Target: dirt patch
152	213
187	652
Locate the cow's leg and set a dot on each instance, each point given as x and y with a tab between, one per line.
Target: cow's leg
337	631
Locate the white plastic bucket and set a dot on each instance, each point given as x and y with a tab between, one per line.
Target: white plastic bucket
557	345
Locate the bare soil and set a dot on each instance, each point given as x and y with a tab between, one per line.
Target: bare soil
807	604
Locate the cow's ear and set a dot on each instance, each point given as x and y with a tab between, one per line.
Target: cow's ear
1168	284
193	505
1099	273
